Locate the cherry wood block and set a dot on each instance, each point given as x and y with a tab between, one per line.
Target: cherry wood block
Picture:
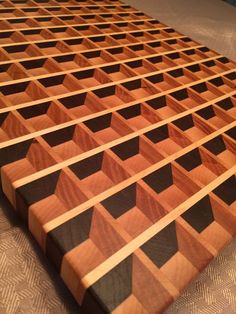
108	127
44	115
23	92
138	116
10	72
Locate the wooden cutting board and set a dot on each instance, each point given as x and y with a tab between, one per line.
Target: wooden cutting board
117	148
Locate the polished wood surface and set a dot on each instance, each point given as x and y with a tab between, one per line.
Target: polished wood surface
117	148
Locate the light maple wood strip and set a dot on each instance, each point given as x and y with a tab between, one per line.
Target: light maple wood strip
79	209
65	6
129	248
71	3
80	37
76	121
66	3
60	15
127	60
38	5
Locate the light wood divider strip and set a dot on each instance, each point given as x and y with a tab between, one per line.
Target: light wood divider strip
138	176
134	244
75	5
65	6
95	115
72	25
60	15
87	50
101	148
62	6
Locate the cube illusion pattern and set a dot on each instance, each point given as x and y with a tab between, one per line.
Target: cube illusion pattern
117	148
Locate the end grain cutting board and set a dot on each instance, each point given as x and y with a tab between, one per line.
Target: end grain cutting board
117	148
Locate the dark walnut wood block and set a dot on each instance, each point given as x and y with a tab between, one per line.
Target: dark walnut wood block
117	148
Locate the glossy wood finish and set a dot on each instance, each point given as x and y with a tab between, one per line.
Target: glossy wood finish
117	148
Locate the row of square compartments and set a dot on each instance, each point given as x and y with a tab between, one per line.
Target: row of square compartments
53	3
132	156
135	28
114	125
133	49
164	189
48	21
115	95
102	40
37	11
68	62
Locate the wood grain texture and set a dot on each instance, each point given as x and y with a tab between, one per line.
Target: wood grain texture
117	148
